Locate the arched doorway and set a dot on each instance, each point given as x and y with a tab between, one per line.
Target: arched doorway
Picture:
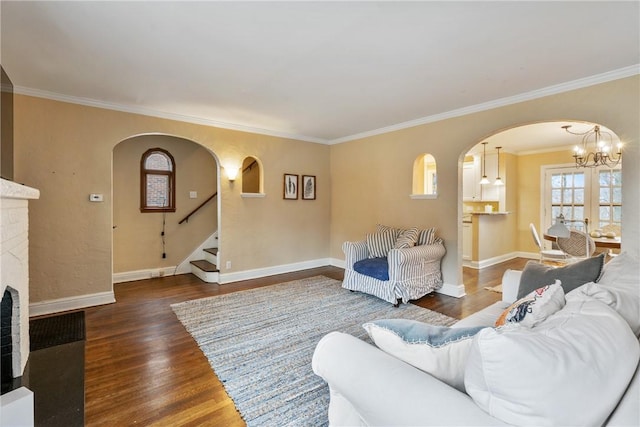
148	243
527	152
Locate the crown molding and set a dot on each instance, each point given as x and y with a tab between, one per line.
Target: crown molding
501	102
21	90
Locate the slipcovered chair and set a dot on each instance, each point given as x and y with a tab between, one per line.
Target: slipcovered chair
394	264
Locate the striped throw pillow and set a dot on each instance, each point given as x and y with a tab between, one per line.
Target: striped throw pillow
379	244
381	228
426	237
407	238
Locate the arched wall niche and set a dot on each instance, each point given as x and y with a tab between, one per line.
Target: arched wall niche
425	177
252	176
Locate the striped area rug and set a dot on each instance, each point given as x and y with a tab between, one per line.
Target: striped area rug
260	342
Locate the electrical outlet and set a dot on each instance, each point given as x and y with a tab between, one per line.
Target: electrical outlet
228	265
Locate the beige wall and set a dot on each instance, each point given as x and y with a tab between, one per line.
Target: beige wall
137	240
65	151
372	176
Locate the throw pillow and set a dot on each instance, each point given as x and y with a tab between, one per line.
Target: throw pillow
619	289
379	244
573	275
437	350
426	237
569	370
535	307
407	238
382	228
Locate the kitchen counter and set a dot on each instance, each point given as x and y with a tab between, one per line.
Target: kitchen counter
479	229
488	213
467	217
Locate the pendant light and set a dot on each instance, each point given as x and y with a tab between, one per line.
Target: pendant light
498	179
484	179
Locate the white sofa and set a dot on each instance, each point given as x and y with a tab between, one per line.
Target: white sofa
371	387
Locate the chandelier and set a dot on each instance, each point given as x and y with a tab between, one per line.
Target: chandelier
603	151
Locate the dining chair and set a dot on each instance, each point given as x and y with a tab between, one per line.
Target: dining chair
578	245
556	255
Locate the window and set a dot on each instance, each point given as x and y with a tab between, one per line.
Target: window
610	199
584	193
157	181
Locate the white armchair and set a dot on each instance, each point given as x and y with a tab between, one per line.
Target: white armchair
413	272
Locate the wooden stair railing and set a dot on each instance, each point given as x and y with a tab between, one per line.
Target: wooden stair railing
186	218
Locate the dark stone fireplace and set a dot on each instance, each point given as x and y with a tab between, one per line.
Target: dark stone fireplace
9	331
6	362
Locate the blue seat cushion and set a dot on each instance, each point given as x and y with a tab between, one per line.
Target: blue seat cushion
377	268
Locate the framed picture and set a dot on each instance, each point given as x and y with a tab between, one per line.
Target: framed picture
290	189
308	187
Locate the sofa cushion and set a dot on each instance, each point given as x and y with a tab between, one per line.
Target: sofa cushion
379	244
572	276
437	350
407	238
485	317
571	369
535	307
619	287
377	268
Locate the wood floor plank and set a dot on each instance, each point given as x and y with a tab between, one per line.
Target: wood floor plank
143	368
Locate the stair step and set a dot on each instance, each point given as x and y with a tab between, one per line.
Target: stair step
212	251
205	266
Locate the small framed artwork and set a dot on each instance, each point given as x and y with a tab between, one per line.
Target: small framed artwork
308	187
290	191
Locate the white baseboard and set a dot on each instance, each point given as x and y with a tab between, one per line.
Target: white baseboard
457	291
70	303
530	255
335	262
498	259
270	271
130	276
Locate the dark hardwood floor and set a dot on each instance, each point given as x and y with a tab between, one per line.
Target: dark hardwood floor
143	368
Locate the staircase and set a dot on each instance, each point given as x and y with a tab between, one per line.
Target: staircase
207	268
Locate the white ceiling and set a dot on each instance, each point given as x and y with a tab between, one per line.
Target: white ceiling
318	71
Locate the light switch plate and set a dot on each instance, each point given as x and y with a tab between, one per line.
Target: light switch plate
193	194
